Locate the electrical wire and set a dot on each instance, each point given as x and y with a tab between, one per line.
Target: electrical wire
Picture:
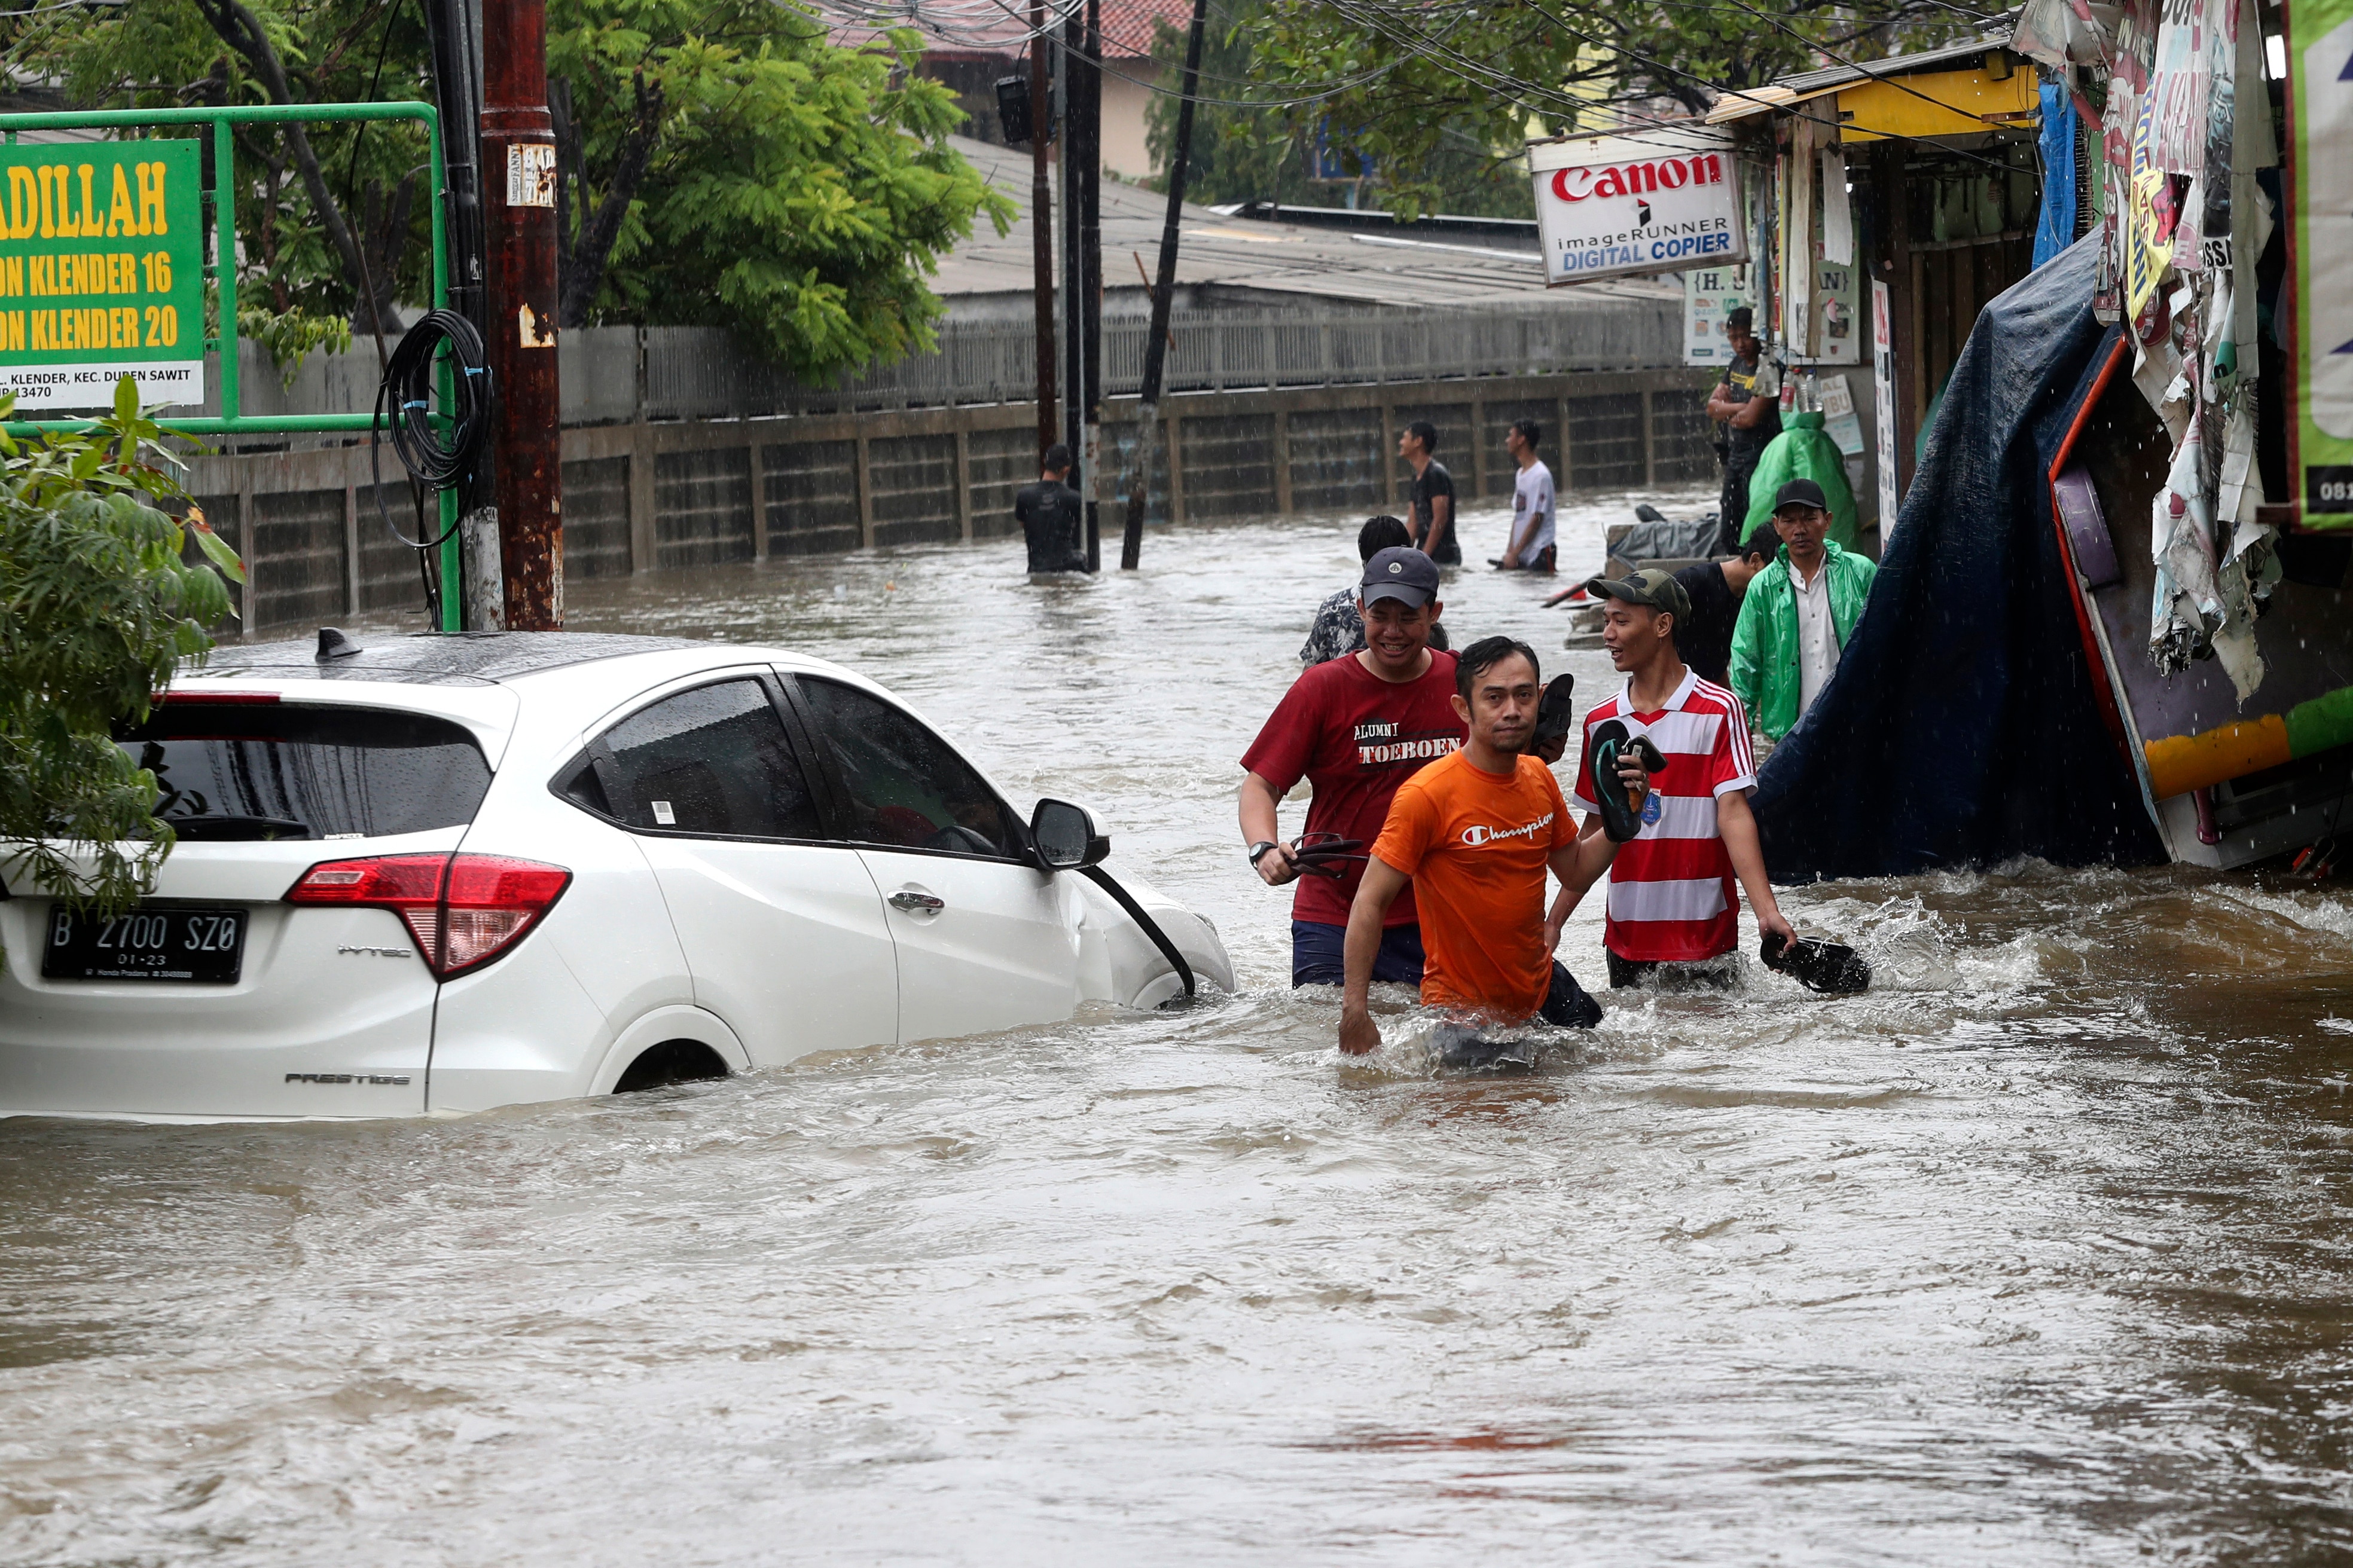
403	402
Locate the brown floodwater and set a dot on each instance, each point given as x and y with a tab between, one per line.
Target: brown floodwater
2036	1253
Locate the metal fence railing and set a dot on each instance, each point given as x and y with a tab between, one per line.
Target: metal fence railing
614	375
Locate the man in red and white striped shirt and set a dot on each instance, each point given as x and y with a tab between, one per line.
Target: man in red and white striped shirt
1671	889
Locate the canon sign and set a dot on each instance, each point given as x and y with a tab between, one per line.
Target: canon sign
1587	184
1608	206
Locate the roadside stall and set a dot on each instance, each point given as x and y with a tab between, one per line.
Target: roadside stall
2165	190
2206	492
1887	203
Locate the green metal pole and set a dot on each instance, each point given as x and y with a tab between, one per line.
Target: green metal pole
453	559
225	271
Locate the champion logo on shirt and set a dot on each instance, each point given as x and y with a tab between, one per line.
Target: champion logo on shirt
1477	834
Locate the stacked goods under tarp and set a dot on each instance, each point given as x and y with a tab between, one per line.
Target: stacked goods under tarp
1967	722
2202	490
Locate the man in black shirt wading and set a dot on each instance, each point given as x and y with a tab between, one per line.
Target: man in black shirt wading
1051	518
1433	495
1715	589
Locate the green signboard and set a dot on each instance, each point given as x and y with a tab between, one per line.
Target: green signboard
2320	46
101	273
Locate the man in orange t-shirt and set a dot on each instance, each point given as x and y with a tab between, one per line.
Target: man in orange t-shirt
1475	833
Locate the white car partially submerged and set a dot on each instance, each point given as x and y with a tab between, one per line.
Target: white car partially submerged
443	874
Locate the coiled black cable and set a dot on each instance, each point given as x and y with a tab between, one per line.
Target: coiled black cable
404	402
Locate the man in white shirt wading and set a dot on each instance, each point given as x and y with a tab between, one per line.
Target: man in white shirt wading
1531	549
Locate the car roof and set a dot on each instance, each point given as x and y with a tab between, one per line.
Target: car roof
431	658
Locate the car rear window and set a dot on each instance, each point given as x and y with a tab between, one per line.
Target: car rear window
280	771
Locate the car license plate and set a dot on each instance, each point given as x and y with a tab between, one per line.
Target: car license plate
189	946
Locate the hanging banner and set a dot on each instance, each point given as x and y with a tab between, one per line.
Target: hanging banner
1836	319
1709	293
1883	386
2320	112
101	273
1616	206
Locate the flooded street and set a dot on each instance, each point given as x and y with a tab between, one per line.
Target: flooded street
2037	1253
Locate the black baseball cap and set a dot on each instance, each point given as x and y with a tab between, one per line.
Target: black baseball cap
1739	316
1648	586
1401	573
1801	492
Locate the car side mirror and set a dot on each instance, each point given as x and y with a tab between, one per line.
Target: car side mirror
1067	836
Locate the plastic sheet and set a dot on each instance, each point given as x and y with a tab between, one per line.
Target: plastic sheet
1961	729
1803	451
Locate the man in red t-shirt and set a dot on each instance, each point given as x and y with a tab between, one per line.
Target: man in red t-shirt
1671	897
1354	728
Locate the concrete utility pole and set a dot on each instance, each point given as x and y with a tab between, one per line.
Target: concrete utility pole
519	157
1041	217
1089	391
1070	62
1156	344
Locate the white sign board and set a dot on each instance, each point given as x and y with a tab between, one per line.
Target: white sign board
55	388
1836	324
1882	378
1708	293
1617	206
1839	421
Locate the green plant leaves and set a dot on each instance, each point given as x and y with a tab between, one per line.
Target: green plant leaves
97	607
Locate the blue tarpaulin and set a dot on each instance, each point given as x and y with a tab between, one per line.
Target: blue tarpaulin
2054	231
1961	728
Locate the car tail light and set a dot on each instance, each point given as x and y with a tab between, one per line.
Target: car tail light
463	910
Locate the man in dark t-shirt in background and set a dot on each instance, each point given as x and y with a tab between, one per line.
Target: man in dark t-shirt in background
1433	495
1747	403
1050	516
1715	589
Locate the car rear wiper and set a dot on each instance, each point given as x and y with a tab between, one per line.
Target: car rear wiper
227	828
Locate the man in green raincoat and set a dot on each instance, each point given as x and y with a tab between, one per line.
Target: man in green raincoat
1799	613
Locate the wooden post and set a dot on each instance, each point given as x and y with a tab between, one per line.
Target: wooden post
352	549
1650	443
1282	461
1561	483
865	500
518	144
1388	454
643	530
1478	449
1041	221
1176	470
1156	341
757	455
248	547
963	484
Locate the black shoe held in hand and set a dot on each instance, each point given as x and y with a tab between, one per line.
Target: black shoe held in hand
1610	741
1831	967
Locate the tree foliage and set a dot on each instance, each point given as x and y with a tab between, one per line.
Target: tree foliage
1410	76
97	607
321	206
1242	152
722	163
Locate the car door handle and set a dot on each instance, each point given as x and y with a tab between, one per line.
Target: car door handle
918	903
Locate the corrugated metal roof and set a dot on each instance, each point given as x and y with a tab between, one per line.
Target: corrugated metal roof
1784	91
1240	252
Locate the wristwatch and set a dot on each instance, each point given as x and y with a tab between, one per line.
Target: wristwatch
1259	848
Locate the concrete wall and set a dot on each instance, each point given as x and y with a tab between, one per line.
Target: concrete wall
653	496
